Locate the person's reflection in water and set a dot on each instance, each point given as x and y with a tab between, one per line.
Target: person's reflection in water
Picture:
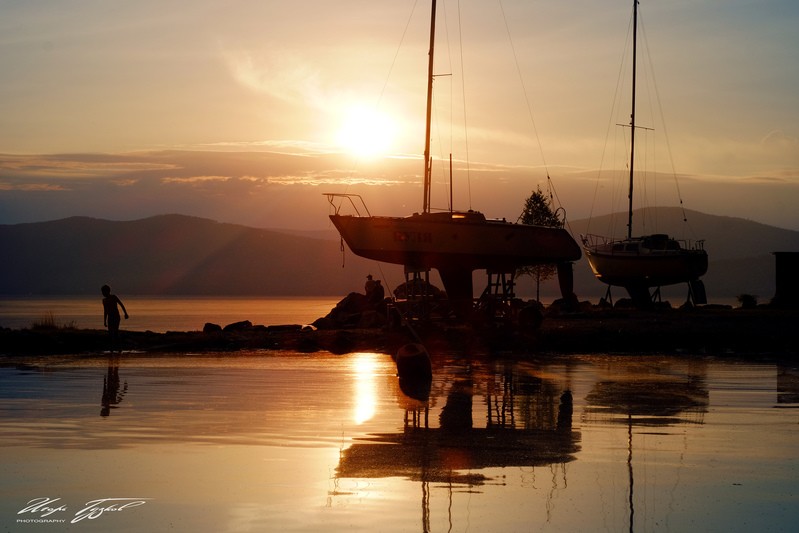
456	415
112	394
565	410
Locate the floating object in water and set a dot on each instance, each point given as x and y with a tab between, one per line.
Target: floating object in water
413	362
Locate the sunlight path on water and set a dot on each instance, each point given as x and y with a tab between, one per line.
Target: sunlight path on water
257	441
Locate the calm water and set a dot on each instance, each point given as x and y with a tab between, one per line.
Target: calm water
162	314
165	313
288	442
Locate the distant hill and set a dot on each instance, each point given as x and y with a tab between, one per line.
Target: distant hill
181	255
172	255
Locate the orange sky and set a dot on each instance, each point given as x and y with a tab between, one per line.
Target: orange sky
118	89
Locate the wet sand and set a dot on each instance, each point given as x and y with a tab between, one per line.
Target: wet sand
744	332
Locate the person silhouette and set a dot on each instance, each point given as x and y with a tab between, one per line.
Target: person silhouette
378	294
111	318
369	286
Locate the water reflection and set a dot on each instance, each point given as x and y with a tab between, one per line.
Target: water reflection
489	415
526	422
112	394
364	366
292	442
787	385
648	393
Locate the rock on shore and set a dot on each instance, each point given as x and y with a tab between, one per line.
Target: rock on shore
699	331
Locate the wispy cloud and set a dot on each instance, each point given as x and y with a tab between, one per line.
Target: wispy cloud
76	165
283	74
196	179
30	187
774	154
286	146
274	188
333	179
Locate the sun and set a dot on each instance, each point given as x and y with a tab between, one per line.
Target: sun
366	132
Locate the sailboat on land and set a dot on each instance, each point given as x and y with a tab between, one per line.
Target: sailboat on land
641	263
456	243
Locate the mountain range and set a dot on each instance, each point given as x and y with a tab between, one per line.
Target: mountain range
182	255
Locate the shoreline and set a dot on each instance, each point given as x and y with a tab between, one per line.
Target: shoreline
760	332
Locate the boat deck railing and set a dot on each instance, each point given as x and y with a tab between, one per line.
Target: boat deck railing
591	240
355	202
698	244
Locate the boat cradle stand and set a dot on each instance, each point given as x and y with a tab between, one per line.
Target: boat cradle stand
641	296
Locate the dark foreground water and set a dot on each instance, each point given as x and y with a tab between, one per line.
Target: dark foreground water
289	442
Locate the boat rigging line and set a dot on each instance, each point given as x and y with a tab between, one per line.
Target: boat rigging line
524	89
379	100
636	31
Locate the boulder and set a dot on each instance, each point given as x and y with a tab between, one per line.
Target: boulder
238	326
210	327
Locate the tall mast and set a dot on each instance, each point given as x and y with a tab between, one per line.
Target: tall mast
632	125
426	200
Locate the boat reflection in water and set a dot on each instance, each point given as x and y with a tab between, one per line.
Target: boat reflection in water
486	417
649	393
526	422
646	394
285	441
787	385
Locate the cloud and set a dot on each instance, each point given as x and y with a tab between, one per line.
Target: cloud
776	155
5	186
788	176
333	179
284	188
780	139
125	182
283	74
196	179
76	165
293	147
312	178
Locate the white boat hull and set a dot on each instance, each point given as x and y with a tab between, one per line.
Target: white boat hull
630	264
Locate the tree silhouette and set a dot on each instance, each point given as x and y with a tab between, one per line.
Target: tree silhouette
538	212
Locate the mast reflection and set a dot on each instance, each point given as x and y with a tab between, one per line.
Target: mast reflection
787	384
648	393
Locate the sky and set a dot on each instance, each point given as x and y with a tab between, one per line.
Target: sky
248	111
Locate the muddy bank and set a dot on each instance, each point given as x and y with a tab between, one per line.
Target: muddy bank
745	332
761	331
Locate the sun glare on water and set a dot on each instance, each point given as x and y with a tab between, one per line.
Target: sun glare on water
364	365
366	132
